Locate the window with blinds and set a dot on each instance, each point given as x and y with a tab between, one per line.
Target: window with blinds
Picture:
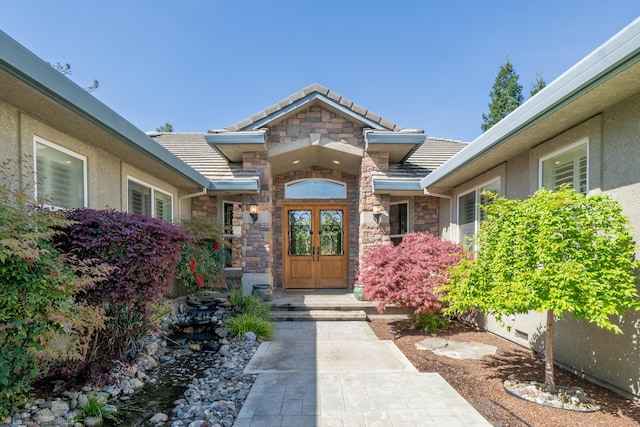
568	167
470	212
146	200
60	176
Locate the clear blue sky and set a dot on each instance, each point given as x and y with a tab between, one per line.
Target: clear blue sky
202	64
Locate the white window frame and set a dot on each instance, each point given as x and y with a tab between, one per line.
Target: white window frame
584	141
153	189
477	191
298	181
83	159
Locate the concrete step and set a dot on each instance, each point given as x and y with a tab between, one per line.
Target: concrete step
367	307
317	315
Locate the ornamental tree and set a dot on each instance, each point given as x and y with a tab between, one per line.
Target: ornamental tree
407	274
556	252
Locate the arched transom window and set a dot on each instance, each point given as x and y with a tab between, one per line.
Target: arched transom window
315	189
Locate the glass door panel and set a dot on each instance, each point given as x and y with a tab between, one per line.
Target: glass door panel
300	232
331	232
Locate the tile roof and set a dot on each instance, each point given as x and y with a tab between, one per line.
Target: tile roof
315	88
194	150
426	158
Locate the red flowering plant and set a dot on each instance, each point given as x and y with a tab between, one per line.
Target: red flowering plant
410	273
202	257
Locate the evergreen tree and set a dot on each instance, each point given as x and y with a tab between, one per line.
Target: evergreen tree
167	127
506	96
65	69
538	85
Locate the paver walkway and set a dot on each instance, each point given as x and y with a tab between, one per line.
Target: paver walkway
322	374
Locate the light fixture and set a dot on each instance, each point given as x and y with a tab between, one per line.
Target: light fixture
377	211
335	162
253	210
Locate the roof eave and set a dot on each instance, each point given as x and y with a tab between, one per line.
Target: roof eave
397	186
615	55
400	145
24	66
250	186
232	145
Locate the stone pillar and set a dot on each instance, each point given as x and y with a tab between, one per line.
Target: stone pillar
257	238
372	233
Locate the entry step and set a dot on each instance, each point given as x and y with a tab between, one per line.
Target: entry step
317	315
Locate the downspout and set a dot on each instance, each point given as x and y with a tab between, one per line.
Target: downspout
189	196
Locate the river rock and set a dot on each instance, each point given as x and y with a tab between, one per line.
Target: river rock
60	408
159	418
44	416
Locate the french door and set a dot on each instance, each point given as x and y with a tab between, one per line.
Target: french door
315	247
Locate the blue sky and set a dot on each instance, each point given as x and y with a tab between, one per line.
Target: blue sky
202	64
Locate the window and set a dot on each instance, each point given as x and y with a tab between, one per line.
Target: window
315	189
231	230
469	212
60	176
146	200
398	221
568	166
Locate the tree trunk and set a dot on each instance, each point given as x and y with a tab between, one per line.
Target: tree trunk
549	371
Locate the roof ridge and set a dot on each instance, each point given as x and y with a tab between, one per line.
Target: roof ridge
309	90
437	138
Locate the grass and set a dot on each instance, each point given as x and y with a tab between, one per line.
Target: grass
249	314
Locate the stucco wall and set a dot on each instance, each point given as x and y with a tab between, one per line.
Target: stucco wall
106	174
613	162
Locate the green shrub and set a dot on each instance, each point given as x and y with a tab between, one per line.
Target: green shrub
202	256
41	318
430	323
249	322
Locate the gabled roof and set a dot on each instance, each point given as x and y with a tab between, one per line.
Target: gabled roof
311	95
602	79
33	86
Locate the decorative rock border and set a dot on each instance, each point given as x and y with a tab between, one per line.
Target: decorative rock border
568	398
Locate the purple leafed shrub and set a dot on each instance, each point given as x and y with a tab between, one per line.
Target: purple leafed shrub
144	252
409	273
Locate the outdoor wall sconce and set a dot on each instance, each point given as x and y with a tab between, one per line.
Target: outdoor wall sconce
253	210
377	211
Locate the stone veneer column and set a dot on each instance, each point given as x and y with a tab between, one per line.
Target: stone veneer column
257	239
372	233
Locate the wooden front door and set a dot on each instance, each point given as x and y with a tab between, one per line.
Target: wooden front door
315	247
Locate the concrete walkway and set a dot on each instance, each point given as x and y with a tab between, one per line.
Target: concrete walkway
322	374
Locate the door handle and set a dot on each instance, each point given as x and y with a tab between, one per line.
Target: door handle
313	253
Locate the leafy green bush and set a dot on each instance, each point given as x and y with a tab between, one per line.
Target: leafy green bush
250	322
201	257
41	317
430	323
